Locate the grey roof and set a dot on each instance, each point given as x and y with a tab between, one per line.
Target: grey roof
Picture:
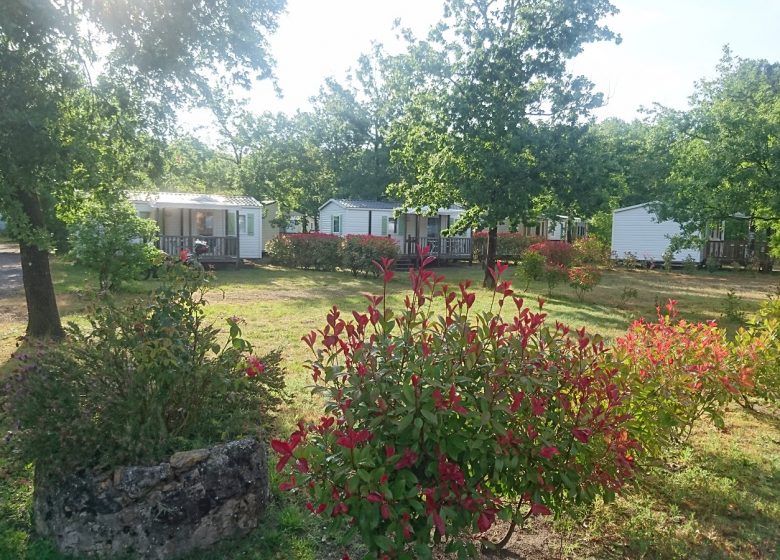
368	204
385	205
193	200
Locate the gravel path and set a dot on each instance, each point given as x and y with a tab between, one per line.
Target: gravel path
10	269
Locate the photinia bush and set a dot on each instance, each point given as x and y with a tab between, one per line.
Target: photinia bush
555	252
677	372
359	252
583	279
439	419
554	274
531	268
590	251
757	348
318	251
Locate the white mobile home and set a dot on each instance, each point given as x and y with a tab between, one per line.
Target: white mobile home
231	225
408	229
638	230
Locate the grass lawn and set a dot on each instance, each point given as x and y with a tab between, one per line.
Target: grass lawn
717	498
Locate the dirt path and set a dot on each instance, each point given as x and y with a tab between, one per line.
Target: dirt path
10	270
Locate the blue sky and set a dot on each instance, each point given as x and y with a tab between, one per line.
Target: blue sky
667	46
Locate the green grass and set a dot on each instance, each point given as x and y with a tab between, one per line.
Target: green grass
718	498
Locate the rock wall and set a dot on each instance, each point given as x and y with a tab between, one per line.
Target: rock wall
192	501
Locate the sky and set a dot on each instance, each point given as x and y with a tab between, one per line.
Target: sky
667	45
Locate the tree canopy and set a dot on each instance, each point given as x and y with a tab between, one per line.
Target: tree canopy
55	115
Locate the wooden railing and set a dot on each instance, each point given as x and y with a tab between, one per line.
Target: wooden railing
742	252
442	247
220	248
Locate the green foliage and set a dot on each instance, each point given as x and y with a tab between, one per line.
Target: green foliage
629	293
689	265
360	252
734	308
712	264
142	381
590	251
472	130
318	251
726	156
531	268
511	246
757	349
554	274
439	419
630	261
668	259
583	279
113	241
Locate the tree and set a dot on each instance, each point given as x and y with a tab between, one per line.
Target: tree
726	149
166	50
111	239
480	88
289	166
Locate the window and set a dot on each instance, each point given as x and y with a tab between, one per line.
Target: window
384	225
434	226
145	214
336	225
204	222
242	223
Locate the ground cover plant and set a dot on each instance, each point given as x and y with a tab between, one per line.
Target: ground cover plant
717	497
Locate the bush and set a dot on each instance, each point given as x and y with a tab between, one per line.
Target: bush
143	381
113	241
757	348
359	252
433	426
583	279
678	372
531	268
318	251
555	252
510	245
554	274
590	251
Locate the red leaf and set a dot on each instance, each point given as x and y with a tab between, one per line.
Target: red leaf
540	509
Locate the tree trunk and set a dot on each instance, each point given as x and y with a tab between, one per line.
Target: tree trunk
43	317
490	257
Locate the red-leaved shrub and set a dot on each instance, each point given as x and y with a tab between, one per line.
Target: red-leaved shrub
556	252
319	251
438	418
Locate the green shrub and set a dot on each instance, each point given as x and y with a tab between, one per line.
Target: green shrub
554	274
113	241
668	256
757	349
359	252
590	251
144	380
439	419
318	251
583	279
531	268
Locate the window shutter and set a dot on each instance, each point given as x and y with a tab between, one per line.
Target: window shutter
384	225
231	223
250	223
